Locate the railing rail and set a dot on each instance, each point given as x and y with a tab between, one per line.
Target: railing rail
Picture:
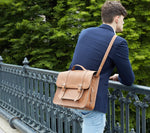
133	100
27	93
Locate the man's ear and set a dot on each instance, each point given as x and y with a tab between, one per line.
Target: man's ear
116	18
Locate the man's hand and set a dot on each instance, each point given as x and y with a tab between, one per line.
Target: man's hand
114	77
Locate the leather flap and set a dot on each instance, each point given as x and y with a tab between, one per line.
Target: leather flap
71	94
75	79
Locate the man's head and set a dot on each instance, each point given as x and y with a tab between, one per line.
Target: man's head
113	12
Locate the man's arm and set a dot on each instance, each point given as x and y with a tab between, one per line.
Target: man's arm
121	60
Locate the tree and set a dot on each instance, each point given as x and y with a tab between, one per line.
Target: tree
24	32
50	44
136	32
70	18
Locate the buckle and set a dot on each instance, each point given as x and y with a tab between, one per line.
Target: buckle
79	88
63	87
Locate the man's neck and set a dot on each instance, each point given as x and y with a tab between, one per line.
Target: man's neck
112	25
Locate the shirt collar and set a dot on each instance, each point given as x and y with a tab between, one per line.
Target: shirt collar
106	26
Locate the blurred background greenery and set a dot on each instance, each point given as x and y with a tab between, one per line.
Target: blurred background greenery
46	32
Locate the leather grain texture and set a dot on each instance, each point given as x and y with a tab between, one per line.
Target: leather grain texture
76	89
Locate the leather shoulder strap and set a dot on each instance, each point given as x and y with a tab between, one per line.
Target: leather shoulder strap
105	56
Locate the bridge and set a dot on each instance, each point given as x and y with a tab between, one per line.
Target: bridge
26	95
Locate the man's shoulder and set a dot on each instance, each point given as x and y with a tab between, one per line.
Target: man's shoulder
89	29
121	39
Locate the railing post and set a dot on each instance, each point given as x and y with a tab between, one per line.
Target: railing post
113	111
144	107
1	61
137	105
122	101
108	125
128	101
25	65
132	130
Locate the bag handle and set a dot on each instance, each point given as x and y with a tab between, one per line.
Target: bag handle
73	68
105	56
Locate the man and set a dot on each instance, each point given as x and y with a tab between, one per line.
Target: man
90	49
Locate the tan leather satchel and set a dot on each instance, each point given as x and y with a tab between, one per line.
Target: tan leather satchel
78	88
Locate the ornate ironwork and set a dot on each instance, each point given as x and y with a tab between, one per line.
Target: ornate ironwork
27	93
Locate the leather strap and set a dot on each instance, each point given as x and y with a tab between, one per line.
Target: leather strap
73	68
105	56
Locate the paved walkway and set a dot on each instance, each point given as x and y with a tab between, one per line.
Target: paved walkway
5	127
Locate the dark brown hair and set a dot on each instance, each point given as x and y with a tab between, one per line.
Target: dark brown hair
110	9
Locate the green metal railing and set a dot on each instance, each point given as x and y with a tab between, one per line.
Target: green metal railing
26	93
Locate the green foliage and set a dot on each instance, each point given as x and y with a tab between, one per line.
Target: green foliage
5	1
137	33
50	44
70	19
